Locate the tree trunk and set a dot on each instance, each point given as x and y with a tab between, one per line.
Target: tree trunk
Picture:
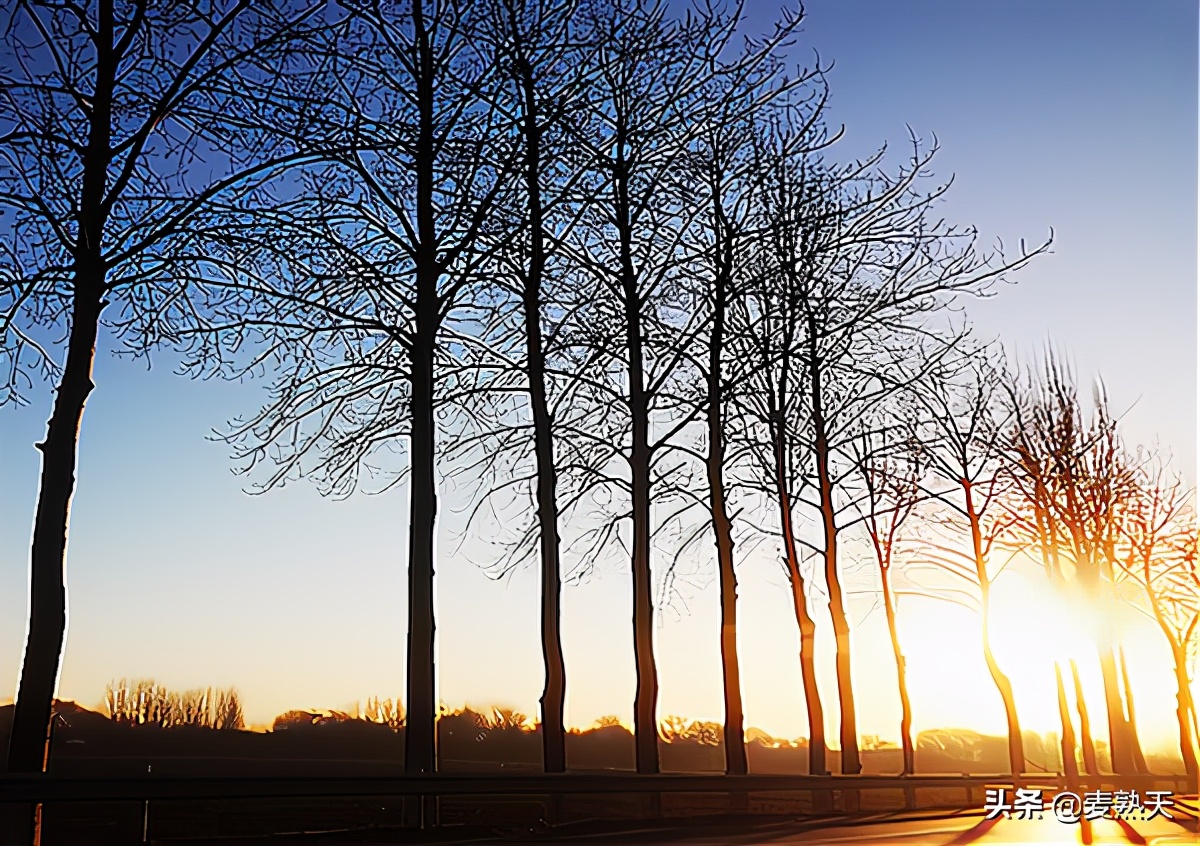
851	764
1085	725
1070	765
645	704
420	736
1184	707
1016	744
734	736
906	741
1139	759
27	745
731	683
817	763
553	701
734	732
420	746
47	577
1118	724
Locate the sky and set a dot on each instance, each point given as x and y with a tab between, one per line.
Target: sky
1076	116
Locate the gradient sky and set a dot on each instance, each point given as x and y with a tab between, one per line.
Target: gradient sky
1079	116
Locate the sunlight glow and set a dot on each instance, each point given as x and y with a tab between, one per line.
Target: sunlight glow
1032	628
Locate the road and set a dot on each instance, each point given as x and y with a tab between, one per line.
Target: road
959	830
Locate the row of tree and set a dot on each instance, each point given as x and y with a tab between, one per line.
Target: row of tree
591	257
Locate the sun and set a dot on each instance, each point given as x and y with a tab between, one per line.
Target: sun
1038	628
1033	629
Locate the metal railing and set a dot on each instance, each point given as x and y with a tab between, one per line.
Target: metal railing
38	789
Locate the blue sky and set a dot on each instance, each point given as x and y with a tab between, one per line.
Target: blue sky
1072	115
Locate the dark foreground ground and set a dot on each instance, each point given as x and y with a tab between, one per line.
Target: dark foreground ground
88	745
681	819
926	829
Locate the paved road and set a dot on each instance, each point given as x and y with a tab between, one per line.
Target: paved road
963	830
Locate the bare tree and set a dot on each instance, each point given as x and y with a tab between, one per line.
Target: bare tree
891	477
766	337
1159	541
871	270
1073	479
636	333
724	164
103	105
551	66
381	317
966	424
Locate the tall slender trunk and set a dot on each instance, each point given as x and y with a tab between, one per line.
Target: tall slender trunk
734	732
1139	759
1070	765
906	741
1119	729
851	762
645	703
1085	724
27	745
1016	744
817	763
731	683
1184	707
553	701
1118	722
420	745
47	571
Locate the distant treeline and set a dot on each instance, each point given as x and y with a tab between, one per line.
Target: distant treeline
145	702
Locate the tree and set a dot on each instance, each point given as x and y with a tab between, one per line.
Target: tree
379	317
765	337
549	72
891	479
1073	480
1158	530
725	166
869	268
636	331
104	106
965	427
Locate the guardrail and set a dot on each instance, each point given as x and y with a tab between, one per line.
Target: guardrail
49	788
40	789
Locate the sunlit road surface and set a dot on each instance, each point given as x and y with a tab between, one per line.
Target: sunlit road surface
959	831
965	830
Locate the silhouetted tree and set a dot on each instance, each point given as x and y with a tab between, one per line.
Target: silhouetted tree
766	335
379	314
724	165
549	65
870	268
966	423
648	77
638	329
105	106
